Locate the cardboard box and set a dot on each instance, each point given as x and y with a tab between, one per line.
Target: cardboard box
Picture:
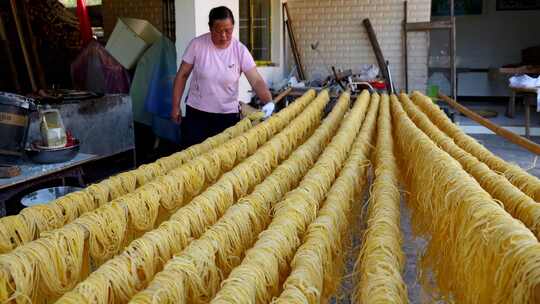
129	39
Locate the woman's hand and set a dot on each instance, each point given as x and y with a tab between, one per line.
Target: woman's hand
268	109
176	115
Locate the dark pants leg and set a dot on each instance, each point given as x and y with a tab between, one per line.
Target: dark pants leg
223	121
199	125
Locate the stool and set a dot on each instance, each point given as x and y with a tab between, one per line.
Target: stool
529	99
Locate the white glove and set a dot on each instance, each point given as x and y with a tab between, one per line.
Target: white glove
268	109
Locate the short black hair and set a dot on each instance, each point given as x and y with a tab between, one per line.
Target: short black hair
220	13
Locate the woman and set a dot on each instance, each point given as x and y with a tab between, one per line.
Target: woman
216	60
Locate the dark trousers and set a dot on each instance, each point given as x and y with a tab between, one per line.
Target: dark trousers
198	125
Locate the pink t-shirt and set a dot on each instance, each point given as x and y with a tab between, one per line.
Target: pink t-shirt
215	75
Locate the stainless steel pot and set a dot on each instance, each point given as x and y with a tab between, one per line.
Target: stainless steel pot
14	123
49	156
46	195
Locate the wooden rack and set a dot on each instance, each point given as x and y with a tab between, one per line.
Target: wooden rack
448	24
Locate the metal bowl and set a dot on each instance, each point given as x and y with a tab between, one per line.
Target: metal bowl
46	195
49	156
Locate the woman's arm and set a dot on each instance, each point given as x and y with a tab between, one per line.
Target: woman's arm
259	85
178	90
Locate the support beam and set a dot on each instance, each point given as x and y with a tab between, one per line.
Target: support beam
511	136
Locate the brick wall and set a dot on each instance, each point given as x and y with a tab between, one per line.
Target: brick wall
343	42
150	10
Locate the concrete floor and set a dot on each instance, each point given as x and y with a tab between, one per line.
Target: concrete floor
511	152
413	246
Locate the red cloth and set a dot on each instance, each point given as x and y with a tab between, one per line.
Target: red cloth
379	85
84	22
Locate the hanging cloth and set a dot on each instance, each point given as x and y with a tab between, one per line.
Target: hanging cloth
84	22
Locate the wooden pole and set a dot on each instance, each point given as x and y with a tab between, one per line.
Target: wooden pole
295	52
453	72
251	25
405	48
39	69
294	46
282	95
9	55
511	136
378	53
23	44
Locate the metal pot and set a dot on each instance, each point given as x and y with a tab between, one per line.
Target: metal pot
14	123
42	155
46	195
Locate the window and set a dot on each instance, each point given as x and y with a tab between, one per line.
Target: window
73	3
461	7
255	29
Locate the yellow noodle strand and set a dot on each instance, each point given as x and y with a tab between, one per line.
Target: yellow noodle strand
515	202
381	261
22	268
477	253
107	228
318	263
200	267
38	219
524	181
145	256
257	279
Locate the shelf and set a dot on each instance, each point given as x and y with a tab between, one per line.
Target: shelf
427	26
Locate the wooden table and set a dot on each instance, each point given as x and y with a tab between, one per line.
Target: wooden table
529	99
529	93
524	69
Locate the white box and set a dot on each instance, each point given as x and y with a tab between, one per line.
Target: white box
129	39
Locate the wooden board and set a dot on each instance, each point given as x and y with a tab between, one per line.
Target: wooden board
8	171
378	53
292	39
428	26
524	69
